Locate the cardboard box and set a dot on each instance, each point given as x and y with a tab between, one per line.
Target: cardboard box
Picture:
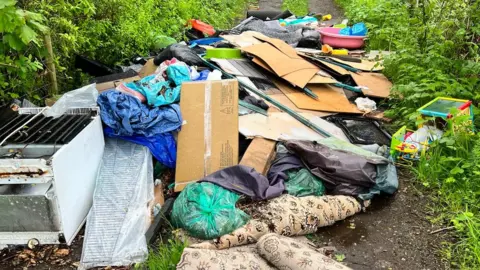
113	84
208	140
259	155
148	69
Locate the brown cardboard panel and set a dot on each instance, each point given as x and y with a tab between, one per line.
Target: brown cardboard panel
330	99
245	39
321	79
278	61
113	84
259	155
147	69
365	65
216	127
378	85
284	100
281	46
300	78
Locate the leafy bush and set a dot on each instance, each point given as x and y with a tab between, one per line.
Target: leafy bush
20	49
109	31
436	54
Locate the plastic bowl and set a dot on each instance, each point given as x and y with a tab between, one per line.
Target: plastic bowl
330	36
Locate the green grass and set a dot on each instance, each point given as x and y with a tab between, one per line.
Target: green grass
166	256
297	7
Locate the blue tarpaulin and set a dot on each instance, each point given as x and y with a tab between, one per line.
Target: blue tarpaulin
127	116
162	146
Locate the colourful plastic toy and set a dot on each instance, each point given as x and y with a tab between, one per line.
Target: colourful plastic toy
402	148
441	107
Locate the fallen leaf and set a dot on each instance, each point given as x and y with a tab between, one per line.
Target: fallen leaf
62	252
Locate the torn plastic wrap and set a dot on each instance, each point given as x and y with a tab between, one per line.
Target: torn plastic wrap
85	97
119	217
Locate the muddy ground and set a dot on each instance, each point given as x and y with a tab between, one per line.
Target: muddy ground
394	233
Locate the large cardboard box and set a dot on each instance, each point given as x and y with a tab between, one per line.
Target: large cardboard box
208	141
101	87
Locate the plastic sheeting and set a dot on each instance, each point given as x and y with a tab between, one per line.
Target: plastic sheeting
346	169
207	211
245	180
158	91
291	34
85	97
302	183
127	116
118	219
163	146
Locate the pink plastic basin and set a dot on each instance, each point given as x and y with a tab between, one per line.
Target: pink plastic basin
330	36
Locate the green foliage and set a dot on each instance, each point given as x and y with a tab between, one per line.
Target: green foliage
19	50
109	31
436	54
167	256
297	7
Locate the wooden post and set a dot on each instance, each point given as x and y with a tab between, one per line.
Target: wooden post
52	74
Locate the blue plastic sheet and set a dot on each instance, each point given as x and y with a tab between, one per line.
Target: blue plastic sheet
127	116
203	75
162	146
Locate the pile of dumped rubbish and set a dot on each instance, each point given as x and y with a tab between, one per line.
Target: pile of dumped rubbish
271	129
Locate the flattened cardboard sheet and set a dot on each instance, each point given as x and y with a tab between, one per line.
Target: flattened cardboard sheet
330	99
378	85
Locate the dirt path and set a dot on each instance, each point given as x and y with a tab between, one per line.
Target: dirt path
393	234
317	6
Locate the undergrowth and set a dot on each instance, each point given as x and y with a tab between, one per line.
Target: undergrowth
297	7
436	45
166	256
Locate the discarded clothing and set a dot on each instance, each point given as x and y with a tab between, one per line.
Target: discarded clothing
127	90
358	29
271	252
345	168
181	52
203	75
127	116
289	216
291	34
303	183
245	180
162	146
207	211
159	92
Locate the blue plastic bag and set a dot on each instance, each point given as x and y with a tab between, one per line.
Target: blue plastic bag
178	74
358	29
159	92
162	146
127	116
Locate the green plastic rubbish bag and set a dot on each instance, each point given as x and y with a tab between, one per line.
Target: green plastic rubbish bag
302	183
207	211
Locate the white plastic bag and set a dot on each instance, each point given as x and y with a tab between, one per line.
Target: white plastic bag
85	97
365	104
